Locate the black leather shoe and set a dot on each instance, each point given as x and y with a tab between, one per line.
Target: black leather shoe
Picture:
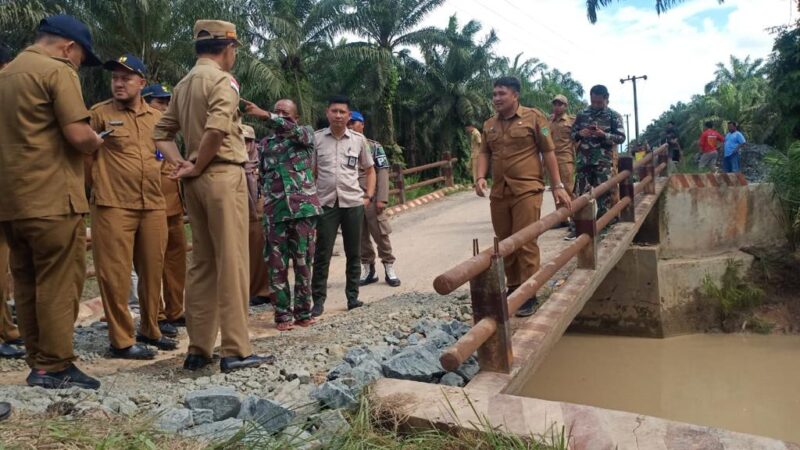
351	305
179	322
317	310
65	379
18	342
167	329
528	308
258	300
135	351
162	343
11	352
5	411
195	362
231	363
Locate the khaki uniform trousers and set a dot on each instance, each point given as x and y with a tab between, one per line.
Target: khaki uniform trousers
219	277
8	331
49	267
509	215
174	276
378	227
566	171
259	275
120	236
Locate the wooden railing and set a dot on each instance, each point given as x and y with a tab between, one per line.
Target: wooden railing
445	167
490	335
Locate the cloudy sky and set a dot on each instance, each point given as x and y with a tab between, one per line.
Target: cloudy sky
678	51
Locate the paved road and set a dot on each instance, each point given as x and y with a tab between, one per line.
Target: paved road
429	240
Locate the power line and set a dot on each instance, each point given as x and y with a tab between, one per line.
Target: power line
543	25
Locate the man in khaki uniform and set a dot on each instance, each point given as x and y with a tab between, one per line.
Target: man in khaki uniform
45	133
170	314
517	139
204	108
560	130
9	334
376	222
474	150
128	211
259	276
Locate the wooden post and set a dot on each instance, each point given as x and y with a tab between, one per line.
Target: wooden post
399	181
626	189
447	170
488	292
650	189
586	223
663	158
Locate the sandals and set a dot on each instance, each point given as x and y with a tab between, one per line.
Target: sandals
305	323
285	326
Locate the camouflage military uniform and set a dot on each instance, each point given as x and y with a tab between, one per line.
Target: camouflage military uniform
594	157
291	207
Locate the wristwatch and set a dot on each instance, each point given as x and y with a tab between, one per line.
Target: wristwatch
559	186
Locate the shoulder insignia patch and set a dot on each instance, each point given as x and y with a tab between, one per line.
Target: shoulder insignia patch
235	85
545	131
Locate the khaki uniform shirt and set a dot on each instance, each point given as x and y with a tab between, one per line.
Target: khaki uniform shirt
514	147
338	161
206	98
475	150
125	172
171	190
560	130
40	173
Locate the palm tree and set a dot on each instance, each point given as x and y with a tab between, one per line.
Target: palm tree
592	6
387	26
741	71
456	81
290	37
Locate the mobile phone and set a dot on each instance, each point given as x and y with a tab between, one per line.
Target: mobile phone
105	133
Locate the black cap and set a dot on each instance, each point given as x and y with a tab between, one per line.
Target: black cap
127	62
73	29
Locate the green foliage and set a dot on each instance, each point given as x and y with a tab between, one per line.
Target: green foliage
784	173
734	294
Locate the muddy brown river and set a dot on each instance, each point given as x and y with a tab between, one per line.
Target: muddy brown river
745	383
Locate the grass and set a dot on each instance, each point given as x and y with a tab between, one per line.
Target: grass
735	294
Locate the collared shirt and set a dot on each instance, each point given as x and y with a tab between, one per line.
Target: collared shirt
561	132
40	173
206	98
475	149
597	151
732	142
171	190
381	172
515	146
338	160
286	160
125	172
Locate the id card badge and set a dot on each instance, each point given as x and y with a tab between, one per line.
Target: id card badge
352	161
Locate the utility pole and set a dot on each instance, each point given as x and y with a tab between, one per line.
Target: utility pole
628	132
635	100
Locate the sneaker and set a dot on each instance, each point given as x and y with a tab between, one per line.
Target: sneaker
391	277
368	275
528	308
571	236
65	379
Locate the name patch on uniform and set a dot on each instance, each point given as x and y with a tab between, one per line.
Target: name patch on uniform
115	123
545	131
